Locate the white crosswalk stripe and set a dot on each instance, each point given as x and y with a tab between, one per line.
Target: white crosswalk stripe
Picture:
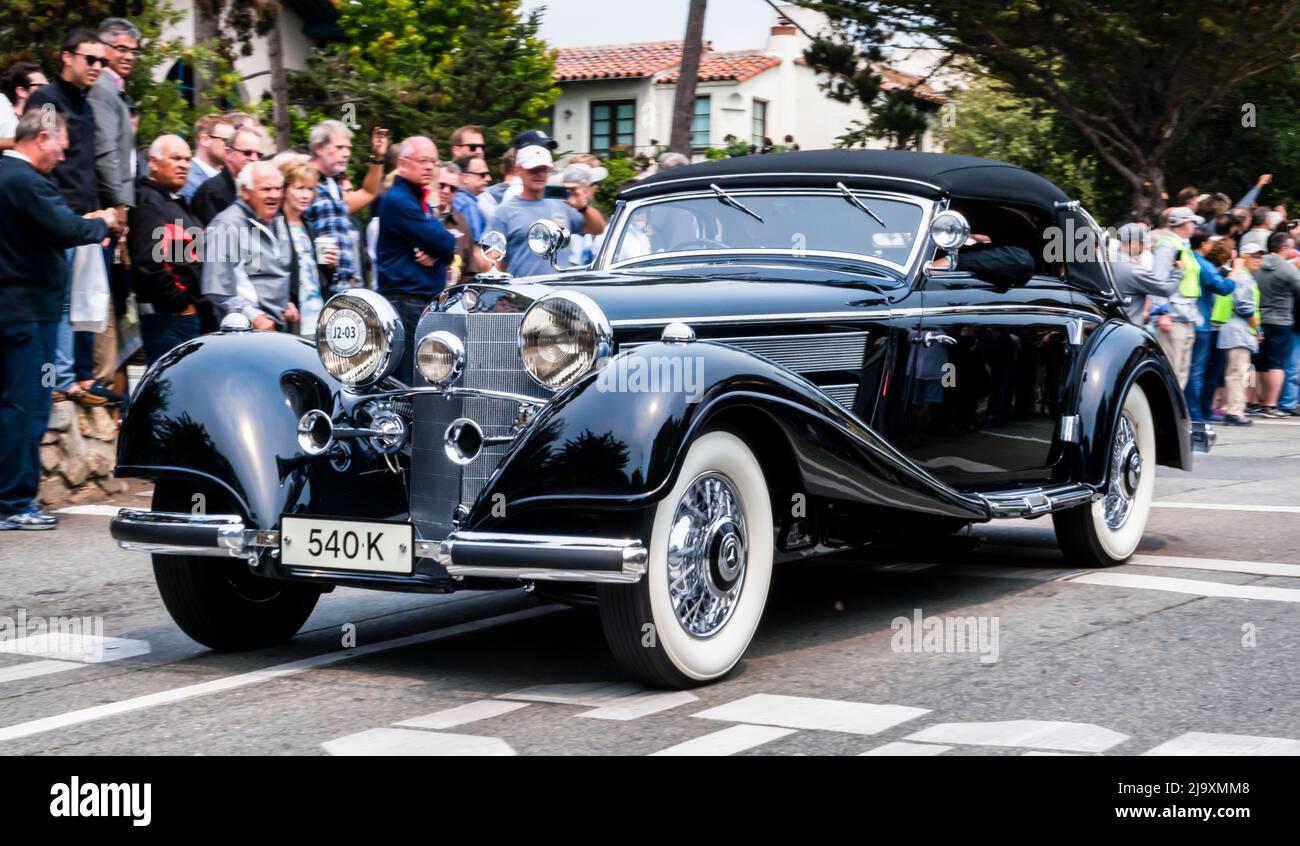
728	741
411	742
472	712
1030	734
800	712
1258	568
33	669
1202	743
1195	587
901	748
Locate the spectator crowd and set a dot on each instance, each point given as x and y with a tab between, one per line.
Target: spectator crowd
111	247
1216	284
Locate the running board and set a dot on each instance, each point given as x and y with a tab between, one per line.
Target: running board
1038	501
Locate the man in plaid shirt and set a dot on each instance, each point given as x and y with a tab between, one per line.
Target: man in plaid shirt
329	214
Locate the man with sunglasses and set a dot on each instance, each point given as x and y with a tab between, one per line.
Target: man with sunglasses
114	139
469	258
84	58
212	136
219	193
475	177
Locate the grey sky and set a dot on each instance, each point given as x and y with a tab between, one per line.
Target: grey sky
729	24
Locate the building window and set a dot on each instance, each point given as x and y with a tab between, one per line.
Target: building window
759	131
700	124
612	122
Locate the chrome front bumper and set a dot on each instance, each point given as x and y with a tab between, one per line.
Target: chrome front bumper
177	533
554	558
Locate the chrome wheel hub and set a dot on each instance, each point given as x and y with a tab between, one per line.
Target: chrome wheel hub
706	555
1125	474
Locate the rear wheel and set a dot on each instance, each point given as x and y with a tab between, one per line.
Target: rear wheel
691	617
218	602
1107	532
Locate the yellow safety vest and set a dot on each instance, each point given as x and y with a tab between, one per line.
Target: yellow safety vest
1222	312
1190	286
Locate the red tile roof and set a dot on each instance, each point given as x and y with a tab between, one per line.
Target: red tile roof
616	61
637	61
739	65
892	79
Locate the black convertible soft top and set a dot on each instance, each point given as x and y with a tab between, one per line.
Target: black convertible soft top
932	175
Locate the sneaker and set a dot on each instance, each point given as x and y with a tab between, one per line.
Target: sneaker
1216	417
1234	420
31	520
1273	412
1294	412
1254	410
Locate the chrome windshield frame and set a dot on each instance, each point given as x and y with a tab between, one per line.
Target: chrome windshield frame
626	209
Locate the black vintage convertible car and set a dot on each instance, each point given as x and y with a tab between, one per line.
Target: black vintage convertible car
772	357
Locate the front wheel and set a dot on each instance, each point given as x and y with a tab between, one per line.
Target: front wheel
1107	531
691	617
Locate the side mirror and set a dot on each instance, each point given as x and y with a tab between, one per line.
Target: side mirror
949	231
493	245
546	239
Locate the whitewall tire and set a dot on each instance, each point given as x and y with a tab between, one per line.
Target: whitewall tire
691	617
1107	531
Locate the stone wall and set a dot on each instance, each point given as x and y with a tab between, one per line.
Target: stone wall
78	453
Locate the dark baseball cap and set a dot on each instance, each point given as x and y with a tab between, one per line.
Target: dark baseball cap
534	138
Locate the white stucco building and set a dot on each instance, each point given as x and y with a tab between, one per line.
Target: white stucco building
623	94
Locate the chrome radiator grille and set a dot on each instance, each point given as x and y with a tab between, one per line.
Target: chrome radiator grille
492	362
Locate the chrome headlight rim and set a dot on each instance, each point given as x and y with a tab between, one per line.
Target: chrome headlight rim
454	346
602	330
546	238
949	230
382	324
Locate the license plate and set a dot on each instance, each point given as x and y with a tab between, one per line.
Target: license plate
346	545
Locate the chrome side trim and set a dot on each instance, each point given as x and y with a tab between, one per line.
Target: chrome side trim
1070	428
612	561
1053	311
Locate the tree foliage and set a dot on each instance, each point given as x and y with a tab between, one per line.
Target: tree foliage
427	68
1134	77
32	30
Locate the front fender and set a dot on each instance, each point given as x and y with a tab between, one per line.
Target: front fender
615	440
221	412
1118	355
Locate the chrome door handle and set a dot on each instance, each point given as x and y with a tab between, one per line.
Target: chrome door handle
931	338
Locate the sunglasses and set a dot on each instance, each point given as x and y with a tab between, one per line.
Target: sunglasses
252	154
134	51
472	146
480	173
102	61
447	185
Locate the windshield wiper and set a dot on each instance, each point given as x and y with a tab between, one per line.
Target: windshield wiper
734	203
848	195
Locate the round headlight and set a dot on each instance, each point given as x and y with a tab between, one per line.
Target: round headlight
359	337
562	336
949	230
440	357
546	238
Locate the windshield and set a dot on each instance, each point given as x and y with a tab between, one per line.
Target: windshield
878	228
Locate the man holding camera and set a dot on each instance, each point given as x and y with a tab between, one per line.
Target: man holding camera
513	217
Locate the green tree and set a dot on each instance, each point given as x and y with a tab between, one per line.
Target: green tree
1134	77
32	30
988	119
427	68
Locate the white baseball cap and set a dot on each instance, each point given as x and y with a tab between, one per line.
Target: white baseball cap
1181	215
530	157
579	174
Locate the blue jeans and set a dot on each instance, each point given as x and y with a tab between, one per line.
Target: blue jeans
160	332
1291	385
25	350
1214	371
1196	376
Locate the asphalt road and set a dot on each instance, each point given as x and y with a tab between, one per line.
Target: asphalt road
1193	647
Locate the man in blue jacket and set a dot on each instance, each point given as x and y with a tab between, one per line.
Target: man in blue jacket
414	247
38	229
